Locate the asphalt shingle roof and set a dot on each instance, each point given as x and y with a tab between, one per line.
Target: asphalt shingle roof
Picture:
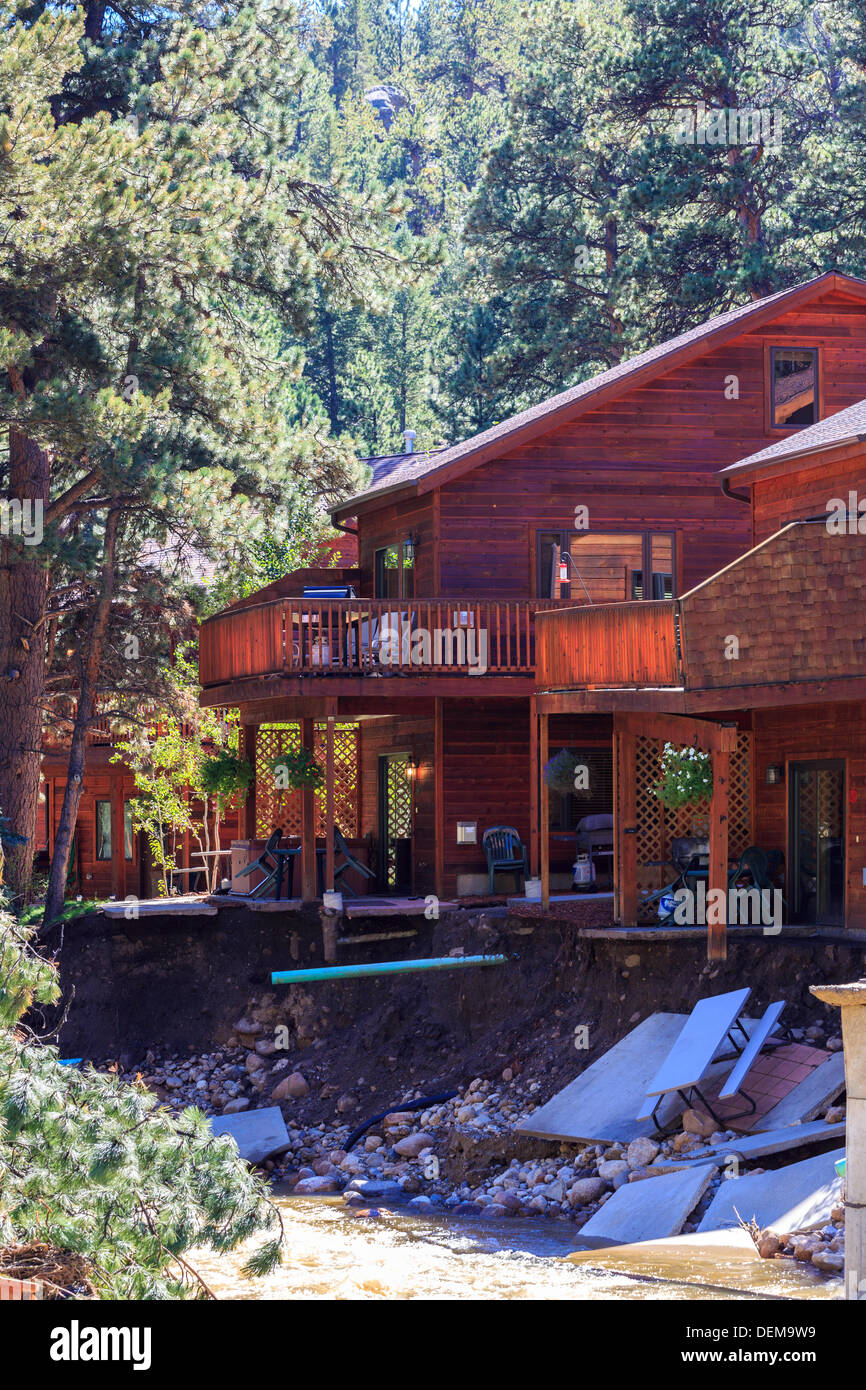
843	427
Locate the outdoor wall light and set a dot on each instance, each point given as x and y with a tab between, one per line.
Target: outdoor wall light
467	832
775	774
411	770
409	547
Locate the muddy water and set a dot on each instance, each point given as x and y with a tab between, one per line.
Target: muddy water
334	1253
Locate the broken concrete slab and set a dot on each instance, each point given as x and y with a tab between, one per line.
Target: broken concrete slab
641	1211
600	1105
754	1146
734	1243
795	1198
133	908
810	1096
257	1133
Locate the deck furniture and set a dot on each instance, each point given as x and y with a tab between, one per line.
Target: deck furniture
710	1022
349	862
272	861
594	836
505	853
746	1059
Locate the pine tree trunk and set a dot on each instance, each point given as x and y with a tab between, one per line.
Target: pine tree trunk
84	714
23	602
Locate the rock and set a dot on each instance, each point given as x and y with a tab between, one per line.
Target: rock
586	1190
265	1047
611	1168
292	1087
631	961
835	1115
509	1200
376	1187
684	1143
411	1146
248	1028
694	1122
768	1245
173	1083
508	1074
467	1209
254	1062
373	1142
834	1044
398	1118
346	1104
641	1152
831	1261
421	1204
309	1187
234	1107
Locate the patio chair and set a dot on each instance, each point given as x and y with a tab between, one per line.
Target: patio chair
272	862
349	862
762	866
505	853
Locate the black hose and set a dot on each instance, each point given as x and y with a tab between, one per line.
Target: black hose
421	1104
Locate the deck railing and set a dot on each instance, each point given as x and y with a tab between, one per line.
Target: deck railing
611	644
299	636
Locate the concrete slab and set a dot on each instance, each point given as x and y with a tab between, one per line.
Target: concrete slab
795	1198
650	1210
754	1146
257	1133
600	1105
219	900
810	1096
160	907
714	1245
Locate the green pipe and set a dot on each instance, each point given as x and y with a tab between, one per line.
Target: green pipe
383	967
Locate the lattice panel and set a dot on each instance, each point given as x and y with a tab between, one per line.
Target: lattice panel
275	807
658	826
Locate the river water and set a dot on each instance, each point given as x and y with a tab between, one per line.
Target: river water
334	1252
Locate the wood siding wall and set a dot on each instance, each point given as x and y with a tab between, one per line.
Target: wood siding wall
806	734
648	460
807	489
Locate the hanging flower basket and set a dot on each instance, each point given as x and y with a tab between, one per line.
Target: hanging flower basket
687	777
559	771
296	769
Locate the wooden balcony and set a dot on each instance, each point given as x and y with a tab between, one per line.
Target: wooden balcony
462	638
609	645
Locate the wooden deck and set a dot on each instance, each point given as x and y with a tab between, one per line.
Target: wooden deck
462	638
610	644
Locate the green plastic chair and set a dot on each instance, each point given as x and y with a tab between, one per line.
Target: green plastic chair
505	853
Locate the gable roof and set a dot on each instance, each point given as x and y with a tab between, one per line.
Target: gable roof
845	427
418	473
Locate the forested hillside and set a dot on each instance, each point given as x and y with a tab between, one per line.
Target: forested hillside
539	149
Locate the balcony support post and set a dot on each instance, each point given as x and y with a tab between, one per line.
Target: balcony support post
534	779
717	915
249	735
329	805
308	824
545	816
625	826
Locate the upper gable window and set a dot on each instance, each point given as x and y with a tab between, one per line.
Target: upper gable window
794	387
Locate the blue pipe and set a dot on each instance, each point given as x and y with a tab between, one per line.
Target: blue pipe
384	967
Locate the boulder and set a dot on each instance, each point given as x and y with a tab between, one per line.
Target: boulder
586	1190
694	1122
411	1146
641	1152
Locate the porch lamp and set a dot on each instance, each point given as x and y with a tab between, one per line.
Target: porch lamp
775	775
409	546
411	770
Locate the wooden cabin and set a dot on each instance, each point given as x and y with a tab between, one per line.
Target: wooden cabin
764	665
601	508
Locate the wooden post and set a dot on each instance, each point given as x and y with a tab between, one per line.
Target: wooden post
626	828
329	805
717	915
247	818
545	819
118	865
438	798
534	778
308	824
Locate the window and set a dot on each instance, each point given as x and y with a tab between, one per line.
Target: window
128	834
395	571
605	566
567	808
794	387
103	829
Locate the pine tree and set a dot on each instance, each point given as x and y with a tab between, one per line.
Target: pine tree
96	1167
139	256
